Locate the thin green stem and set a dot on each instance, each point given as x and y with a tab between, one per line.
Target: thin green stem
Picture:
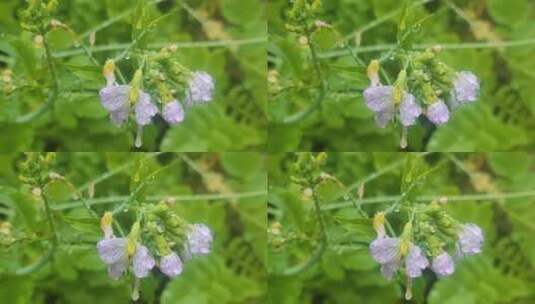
322	88
179	45
155	198
427	198
55	240
382	19
444	46
54	91
316	255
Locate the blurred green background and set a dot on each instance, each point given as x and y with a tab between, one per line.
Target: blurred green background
346	273
502	118
235	120
225	191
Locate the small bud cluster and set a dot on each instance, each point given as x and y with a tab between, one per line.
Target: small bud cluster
307	170
35	170
38	17
302	17
159	233
165	76
431	239
425	86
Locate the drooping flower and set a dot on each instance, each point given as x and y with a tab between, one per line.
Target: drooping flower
409	110
113	253
438	113
470	240
173	112
145	109
171	265
143	262
465	87
386	251
443	265
200	88
199	239
380	100
114	98
111	250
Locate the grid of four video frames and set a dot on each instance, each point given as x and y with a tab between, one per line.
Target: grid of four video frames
267	151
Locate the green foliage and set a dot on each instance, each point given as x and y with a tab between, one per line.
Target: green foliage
346	272
72	119
502	116
224	191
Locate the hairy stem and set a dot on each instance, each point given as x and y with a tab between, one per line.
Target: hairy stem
322	88
318	252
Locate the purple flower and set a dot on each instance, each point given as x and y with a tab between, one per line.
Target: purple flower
173	112
443	265
114	98
200	88
379	99
171	265
409	110
438	113
386	251
145	109
143	262
470	240
415	262
112	251
116	270
465	87
199	239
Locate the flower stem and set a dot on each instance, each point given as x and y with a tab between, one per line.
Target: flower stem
322	88
316	255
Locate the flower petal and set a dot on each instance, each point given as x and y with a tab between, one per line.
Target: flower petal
443	265
171	265
112	250
415	261
409	110
438	113
143	262
385	250
378	98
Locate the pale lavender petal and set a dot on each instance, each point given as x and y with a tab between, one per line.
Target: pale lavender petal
470	239
382	118
388	270
415	261
409	110
117	269
438	113
112	250
200	88
378	98
171	265
466	87
173	112
114	97
443	265
199	239
385	250
120	116
145	109
143	262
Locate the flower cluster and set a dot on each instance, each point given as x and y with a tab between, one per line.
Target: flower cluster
423	244
120	100
139	249
425	86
